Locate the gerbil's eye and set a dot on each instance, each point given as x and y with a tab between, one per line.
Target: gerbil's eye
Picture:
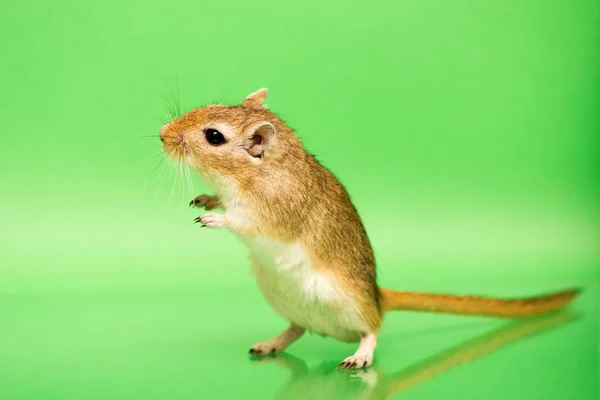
214	137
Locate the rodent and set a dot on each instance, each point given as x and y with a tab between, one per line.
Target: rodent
309	251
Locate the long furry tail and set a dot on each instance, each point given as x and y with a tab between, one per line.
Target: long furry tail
476	305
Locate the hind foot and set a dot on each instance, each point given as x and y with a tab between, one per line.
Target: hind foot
278	343
363	357
357	362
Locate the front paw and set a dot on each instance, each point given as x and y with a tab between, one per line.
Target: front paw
212	220
205	201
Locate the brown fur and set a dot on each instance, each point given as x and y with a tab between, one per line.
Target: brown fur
311	207
476	305
299	200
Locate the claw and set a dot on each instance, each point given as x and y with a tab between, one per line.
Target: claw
192	203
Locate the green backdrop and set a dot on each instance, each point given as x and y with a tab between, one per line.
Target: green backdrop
467	133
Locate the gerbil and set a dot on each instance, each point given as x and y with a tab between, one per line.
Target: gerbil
309	250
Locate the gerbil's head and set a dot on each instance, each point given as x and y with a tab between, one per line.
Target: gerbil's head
230	141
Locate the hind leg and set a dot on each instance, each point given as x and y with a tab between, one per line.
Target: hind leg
363	357
279	342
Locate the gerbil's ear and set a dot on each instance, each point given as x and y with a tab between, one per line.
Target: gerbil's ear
256	99
259	138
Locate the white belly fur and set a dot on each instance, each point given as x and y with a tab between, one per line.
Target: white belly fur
301	294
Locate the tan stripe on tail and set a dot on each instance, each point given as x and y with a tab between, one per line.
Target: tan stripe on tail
476	305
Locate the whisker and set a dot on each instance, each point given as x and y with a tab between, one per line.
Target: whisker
159	163
178	100
173	102
173	185
155	169
161	176
181	179
168	105
190	181
118	143
148	158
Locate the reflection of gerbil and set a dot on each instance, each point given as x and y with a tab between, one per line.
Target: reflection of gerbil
309	251
319	383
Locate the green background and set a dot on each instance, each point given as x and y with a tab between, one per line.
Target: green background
467	133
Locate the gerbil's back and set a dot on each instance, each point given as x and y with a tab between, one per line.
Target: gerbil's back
340	227
327	222
341	240
299	199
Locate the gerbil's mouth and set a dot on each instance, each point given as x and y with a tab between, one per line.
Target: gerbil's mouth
175	143
175	147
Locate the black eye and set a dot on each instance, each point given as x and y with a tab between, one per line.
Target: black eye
214	137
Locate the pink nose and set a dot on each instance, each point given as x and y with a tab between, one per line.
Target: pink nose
163	131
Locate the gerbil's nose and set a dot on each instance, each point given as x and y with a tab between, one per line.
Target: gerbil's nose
162	133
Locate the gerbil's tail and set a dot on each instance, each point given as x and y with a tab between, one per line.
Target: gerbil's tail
476	305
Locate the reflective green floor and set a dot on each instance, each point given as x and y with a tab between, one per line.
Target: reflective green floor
178	345
465	131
